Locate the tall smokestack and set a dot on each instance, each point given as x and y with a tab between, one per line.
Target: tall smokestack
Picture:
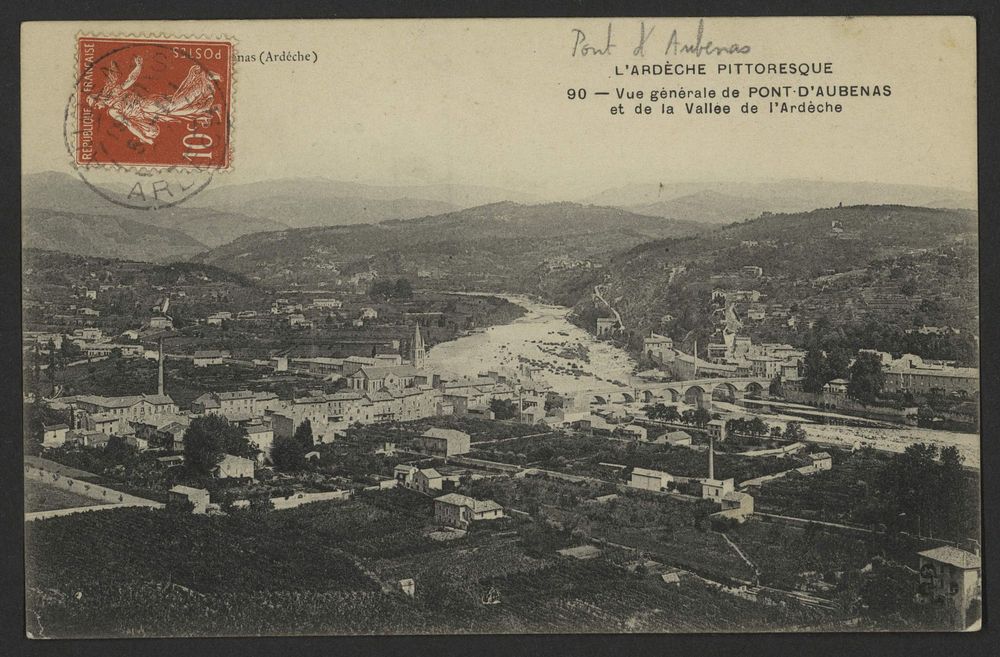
159	387
711	457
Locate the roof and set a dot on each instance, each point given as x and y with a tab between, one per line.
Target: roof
380	395
466	501
643	472
718	483
580	552
953	556
188	490
819	455
716	423
235	394
736	496
257	428
382	371
207	400
55	427
162	420
174	428
211	354
110	402
158	399
430	473
843	382
345	396
446	434
677	434
232	458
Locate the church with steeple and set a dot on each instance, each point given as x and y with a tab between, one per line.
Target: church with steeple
418	354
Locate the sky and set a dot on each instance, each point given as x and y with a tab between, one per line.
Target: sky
484	102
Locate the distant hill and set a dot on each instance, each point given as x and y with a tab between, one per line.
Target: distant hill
110	237
824	263
305	202
60	192
706	206
223	212
485	246
722	198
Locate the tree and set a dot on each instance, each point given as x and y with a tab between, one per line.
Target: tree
815	374
794	431
208	439
289	453
701	417
402	289
775	389
736	426
503	409
837	363
757	427
69	350
867	378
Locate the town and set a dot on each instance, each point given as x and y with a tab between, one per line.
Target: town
760	479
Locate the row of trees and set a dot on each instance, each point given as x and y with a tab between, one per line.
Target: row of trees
865	375
755	427
699	417
386	290
927	491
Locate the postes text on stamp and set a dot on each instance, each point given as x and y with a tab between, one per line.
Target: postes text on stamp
154	102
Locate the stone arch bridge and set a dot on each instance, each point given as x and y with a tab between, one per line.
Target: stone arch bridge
698	392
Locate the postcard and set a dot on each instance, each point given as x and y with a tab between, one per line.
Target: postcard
500	326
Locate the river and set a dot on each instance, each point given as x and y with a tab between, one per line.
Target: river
546	340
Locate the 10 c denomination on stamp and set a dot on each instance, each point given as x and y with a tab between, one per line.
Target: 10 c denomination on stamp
151	102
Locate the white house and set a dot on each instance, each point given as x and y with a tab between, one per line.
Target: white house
404	474
234	467
821	461
460	511
427	480
54	435
716	489
649	479
717	429
197	496
210	357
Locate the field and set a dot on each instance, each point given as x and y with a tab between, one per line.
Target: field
581	454
335	568
42	497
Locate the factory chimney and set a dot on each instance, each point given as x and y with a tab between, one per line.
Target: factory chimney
159	388
711	456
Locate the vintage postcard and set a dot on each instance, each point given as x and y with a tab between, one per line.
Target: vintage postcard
352	327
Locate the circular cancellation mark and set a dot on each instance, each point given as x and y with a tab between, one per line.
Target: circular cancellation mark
148	122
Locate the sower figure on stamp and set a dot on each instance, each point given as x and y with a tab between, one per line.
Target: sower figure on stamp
193	100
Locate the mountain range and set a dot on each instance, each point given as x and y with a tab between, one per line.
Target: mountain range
66	205
62	213
725	202
485	246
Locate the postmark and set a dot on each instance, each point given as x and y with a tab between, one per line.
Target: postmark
149	121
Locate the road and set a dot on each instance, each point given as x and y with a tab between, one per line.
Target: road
618	317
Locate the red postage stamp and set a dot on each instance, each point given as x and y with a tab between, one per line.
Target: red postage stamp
154	102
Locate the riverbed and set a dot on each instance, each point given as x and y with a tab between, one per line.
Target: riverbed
559	353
